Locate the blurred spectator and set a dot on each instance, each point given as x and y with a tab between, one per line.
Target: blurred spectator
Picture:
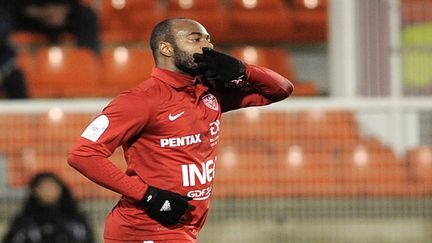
51	18
12	82
50	214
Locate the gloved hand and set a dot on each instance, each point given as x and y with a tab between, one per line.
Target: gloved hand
164	206
218	66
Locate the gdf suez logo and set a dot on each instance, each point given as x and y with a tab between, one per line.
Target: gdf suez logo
214	127
200	194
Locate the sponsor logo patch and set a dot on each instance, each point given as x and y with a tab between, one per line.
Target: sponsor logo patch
180	141
210	101
96	128
202	194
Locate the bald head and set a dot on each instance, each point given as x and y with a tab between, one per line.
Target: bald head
161	32
174	41
164	31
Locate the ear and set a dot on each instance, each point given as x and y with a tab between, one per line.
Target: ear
166	49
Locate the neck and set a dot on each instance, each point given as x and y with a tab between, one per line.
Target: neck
172	68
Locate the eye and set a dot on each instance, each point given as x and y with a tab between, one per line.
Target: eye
195	39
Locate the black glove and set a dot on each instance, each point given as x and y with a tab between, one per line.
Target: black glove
164	206
218	66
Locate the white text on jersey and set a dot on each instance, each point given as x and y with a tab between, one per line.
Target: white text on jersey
181	141
191	171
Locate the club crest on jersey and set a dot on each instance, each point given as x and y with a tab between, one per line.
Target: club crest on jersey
210	101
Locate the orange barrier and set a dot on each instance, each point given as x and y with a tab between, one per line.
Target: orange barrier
284	156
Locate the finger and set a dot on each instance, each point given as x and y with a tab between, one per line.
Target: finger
191	207
201	58
217	78
210	74
169	222
187	198
208	51
198	57
202	65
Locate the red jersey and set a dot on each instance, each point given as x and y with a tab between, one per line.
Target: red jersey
169	129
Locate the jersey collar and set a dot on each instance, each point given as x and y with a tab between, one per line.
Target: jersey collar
174	79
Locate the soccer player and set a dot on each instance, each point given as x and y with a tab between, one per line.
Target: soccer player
169	128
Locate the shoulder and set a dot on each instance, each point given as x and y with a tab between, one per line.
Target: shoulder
144	92
144	96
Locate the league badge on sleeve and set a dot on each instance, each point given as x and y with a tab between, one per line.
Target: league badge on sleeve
96	128
211	102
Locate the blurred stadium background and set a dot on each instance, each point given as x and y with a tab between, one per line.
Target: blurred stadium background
347	159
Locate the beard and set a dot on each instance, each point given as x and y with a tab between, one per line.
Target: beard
184	61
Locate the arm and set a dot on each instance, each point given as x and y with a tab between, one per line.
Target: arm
264	87
118	123
268	83
103	172
239	84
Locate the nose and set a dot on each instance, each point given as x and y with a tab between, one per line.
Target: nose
208	45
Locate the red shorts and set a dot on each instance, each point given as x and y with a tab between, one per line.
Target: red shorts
145	241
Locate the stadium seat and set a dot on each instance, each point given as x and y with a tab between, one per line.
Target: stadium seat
25	60
17	133
29	39
243	171
129	21
25	38
89	3
310	21
59	129
415	11
264	21
324	131
373	172
329	125
277	59
124	67
420	167
65	72
210	13
306	173
268	127
310	4
315	130
23	165
35	160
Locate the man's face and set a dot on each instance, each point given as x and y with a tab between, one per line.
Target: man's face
189	38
